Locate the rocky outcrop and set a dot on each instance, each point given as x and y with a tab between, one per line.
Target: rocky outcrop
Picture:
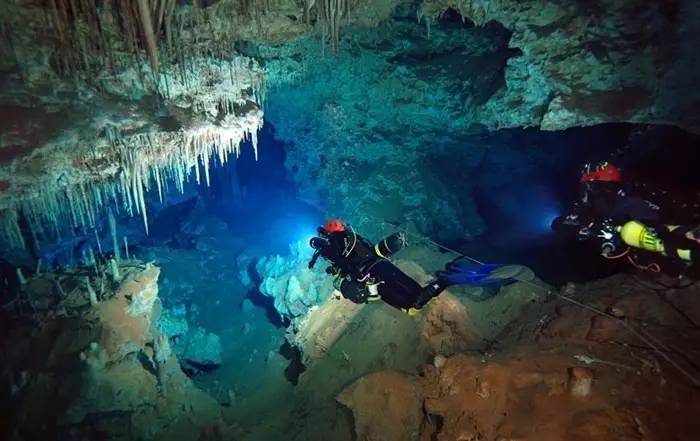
405	99
557	371
287	280
82	99
393	392
589	63
94	121
82	365
198	350
317	331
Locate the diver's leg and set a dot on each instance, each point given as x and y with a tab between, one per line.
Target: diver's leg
395	287
430	291
354	291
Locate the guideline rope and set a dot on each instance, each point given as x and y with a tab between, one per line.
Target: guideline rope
652	343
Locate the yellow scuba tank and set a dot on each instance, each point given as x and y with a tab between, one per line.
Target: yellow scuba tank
638	235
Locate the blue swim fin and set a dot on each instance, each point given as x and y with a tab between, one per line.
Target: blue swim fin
462	273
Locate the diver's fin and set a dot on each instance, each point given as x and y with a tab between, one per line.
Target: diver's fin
513	272
462	273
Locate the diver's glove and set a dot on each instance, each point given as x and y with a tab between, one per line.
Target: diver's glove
317	243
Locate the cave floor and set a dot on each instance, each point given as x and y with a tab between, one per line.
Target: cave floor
520	329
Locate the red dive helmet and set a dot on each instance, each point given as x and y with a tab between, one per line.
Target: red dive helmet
604	171
334	226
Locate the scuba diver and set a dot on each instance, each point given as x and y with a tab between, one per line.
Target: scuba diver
634	220
363	272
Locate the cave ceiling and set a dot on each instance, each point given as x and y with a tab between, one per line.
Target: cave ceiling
104	101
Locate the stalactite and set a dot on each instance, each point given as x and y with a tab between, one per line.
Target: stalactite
126	249
140	158
329	14
113	232
142	204
159	185
99	245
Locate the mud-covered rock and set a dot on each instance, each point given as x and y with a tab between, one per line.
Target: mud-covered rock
396	394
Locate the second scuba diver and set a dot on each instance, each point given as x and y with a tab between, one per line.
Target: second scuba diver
363	272
648	225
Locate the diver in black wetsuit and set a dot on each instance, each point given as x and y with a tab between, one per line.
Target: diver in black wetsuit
624	216
363	272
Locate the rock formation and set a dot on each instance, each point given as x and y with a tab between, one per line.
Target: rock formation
94	125
401	416
548	379
288	281
76	370
121	98
588	63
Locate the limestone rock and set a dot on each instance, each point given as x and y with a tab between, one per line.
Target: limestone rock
199	349
316	332
293	287
446	327
141	291
580	380
386	407
91	373
589	63
172	324
127	316
247	306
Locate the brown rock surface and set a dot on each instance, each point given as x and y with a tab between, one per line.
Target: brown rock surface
446	327
386	407
544	380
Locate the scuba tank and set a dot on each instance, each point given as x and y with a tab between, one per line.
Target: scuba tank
638	235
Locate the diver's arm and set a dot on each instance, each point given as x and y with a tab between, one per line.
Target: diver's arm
314	258
318	244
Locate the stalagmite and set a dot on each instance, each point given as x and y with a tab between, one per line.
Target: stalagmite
114	267
161	353
580	380
92	296
20	277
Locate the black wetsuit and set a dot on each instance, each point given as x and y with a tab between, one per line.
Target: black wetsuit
605	205
366	273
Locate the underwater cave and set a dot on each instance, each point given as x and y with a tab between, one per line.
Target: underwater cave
349	220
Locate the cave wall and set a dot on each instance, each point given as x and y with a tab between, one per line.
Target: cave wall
89	91
587	63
